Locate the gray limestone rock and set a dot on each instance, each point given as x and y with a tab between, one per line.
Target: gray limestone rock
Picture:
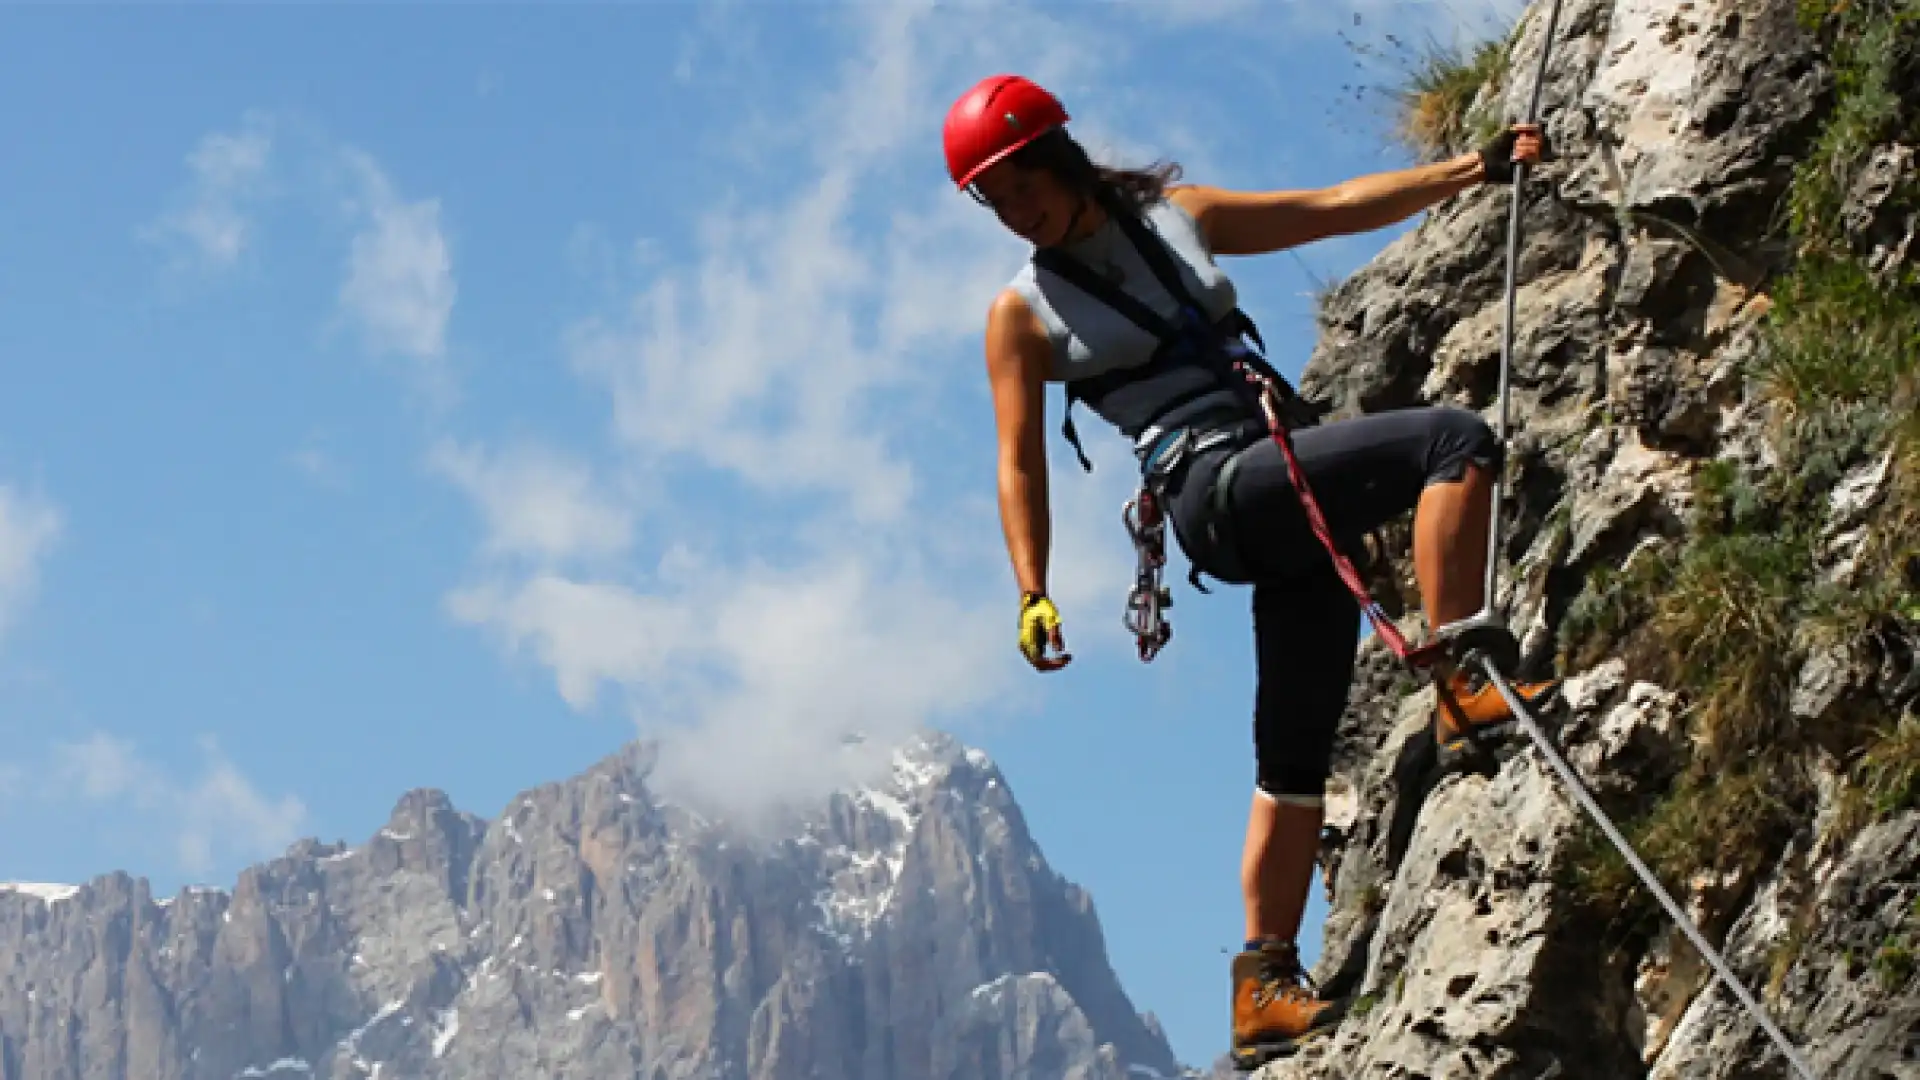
1880	212
1647	244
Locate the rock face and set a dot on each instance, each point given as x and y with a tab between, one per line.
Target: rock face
911	931
1650	247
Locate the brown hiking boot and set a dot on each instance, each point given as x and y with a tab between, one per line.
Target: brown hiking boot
1273	1014
1470	717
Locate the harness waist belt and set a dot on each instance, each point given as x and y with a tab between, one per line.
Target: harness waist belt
1162	451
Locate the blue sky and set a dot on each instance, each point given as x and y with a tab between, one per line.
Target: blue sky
438	396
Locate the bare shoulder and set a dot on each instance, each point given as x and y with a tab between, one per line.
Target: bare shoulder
1237	222
1205	204
1011	320
1017	343
1009	304
1198	200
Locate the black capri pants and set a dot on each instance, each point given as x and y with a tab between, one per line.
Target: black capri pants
1364	472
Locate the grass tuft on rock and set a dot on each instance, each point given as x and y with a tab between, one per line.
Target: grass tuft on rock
1439	108
1709	836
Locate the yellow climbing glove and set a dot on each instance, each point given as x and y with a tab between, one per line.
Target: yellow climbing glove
1039	628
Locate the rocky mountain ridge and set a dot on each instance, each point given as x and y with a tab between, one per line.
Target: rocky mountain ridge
910	929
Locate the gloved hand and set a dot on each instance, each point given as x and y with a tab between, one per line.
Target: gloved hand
1521	142
1039	628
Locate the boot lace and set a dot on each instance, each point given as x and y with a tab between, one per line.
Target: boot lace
1283	980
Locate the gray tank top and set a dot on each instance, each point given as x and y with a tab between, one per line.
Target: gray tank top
1089	338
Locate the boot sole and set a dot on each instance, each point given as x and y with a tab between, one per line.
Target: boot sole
1493	744
1497	742
1249	1058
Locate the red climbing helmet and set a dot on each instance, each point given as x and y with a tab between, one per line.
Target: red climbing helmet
999	115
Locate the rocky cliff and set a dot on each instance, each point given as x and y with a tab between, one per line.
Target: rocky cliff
911	930
1714	535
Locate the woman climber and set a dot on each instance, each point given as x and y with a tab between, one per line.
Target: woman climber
1094	310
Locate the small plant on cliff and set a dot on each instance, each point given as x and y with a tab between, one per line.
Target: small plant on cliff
1895	546
1893	965
1727	619
1610	614
1837	338
1871	47
1886	779
1711	833
1436	108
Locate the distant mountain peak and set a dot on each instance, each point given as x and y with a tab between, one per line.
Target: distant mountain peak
904	929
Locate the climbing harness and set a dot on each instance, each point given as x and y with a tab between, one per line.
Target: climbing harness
1194	339
1160	451
1223	347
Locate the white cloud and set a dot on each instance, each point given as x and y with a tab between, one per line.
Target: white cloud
784	351
399	286
719	40
217	815
229	169
536	501
29	527
822	347
754	674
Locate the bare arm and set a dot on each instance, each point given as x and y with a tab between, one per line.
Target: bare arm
1017	358
1257	222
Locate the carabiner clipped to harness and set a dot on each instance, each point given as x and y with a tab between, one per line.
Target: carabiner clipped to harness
1148	600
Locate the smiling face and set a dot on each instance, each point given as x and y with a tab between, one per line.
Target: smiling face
1031	202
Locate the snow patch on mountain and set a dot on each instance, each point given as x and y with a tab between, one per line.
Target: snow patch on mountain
861	872
50	894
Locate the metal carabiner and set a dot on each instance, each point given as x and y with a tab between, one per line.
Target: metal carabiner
1148	599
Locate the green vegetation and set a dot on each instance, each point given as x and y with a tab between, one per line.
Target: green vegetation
1870	45
1893	964
1839	339
1436	114
1612	612
1717	830
1438	97
1782	955
1886	780
1728	615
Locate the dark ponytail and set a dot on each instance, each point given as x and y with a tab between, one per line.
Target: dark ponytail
1059	153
